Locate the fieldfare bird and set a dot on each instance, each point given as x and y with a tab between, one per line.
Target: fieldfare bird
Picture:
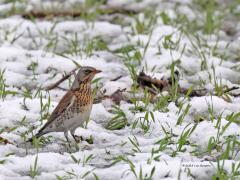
75	106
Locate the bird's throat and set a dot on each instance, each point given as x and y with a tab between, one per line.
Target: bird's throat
83	95
84	88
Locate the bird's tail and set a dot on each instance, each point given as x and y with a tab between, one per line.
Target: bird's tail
39	134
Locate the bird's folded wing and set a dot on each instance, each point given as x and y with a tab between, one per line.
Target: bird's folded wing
67	100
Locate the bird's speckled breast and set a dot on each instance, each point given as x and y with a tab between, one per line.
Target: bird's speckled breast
83	97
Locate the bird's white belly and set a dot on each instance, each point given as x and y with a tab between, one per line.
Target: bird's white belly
77	120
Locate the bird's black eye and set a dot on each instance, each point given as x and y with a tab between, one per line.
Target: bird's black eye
87	71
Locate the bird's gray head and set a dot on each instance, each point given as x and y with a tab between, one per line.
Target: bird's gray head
84	75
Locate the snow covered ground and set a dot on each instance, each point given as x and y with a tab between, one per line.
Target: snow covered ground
175	137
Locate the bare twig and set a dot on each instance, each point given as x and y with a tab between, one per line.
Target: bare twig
230	89
61	80
116	97
117	78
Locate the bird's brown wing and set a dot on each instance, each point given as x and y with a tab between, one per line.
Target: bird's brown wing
64	103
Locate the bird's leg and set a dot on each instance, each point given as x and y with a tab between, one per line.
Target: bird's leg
74	137
66	136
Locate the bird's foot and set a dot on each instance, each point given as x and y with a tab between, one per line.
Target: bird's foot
78	139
